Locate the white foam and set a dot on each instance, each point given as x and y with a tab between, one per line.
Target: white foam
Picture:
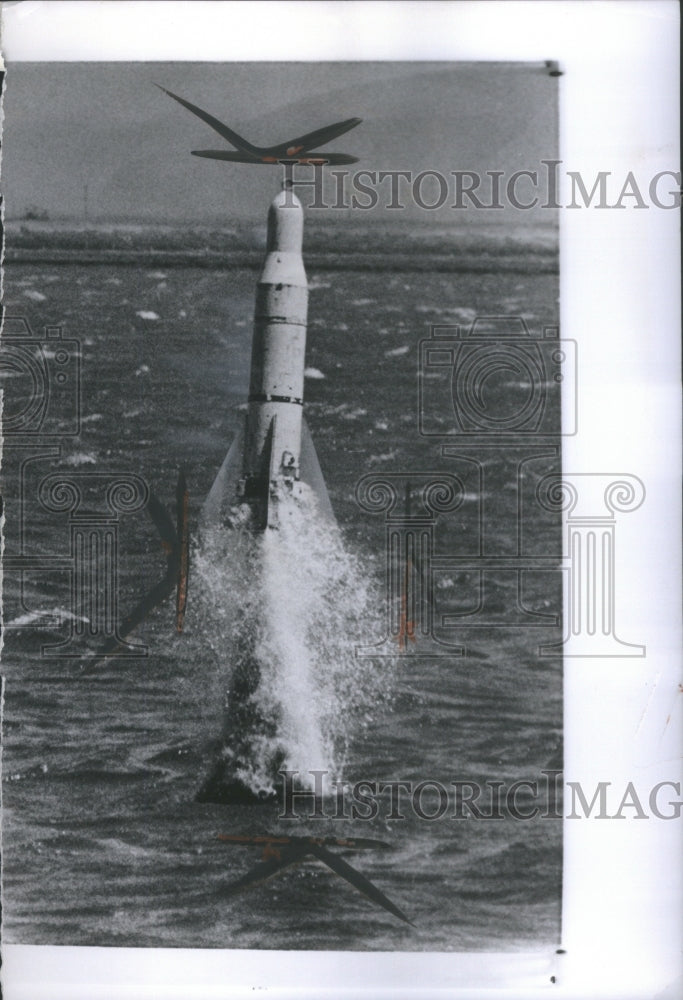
388	456
302	603
62	614
353	414
81	458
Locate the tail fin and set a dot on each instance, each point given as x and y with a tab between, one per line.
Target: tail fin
223	130
416	592
311	473
361	883
264	870
224	489
183	546
175	542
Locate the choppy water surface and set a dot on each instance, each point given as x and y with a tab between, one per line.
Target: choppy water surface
104	842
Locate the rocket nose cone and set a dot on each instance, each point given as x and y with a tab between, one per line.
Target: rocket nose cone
285	223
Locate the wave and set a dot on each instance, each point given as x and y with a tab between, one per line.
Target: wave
286	609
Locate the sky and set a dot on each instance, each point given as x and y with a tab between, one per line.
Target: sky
105	126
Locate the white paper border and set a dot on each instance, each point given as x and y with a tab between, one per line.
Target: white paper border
620	283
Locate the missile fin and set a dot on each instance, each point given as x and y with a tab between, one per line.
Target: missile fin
162	522
286	857
222	493
224	154
183	556
310	141
417	598
361	883
311	473
223	130
158	594
316	159
270	458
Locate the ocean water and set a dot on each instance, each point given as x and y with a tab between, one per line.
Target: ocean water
104	841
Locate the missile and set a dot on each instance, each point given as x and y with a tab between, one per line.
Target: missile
272	451
270	462
273	454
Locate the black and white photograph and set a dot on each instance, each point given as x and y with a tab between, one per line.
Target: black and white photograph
303	566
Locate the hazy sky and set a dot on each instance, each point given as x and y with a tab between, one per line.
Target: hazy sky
104	125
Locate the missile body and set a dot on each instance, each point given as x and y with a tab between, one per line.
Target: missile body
273	454
272	449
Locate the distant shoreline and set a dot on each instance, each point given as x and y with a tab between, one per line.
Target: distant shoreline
387	246
544	262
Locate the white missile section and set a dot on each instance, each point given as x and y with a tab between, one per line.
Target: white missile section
275	452
276	388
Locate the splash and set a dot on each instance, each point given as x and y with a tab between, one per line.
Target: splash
286	609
